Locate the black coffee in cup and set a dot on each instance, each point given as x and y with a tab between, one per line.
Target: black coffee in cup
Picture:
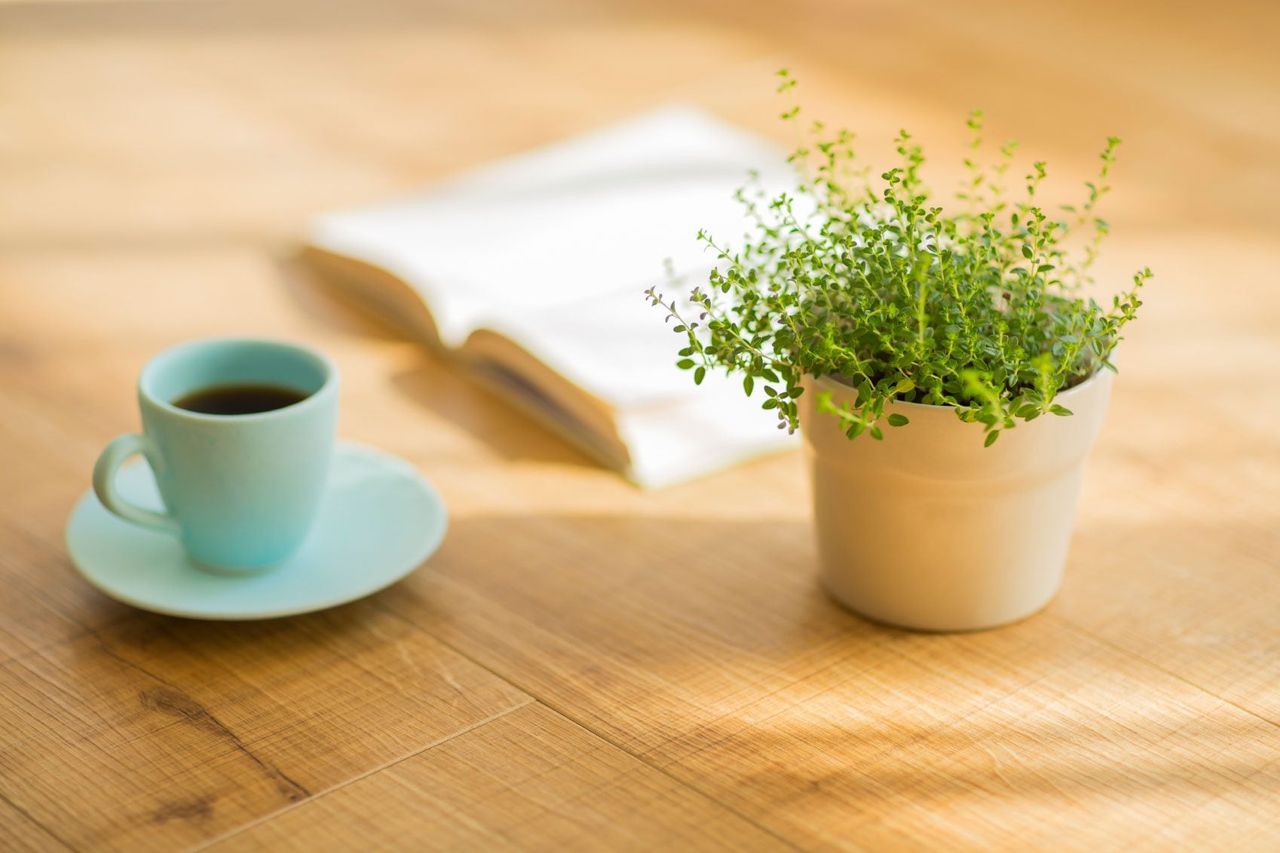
239	399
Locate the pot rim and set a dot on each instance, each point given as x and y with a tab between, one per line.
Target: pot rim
1073	391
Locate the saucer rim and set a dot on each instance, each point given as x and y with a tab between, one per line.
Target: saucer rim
430	546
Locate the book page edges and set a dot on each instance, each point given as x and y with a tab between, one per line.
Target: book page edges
579	416
376	291
497	362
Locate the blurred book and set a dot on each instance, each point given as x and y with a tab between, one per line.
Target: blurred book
532	273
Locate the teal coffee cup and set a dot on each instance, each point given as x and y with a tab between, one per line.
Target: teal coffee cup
241	482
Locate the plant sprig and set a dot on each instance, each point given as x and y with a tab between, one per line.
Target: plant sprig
876	286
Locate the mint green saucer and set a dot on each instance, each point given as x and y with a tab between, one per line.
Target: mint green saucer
378	520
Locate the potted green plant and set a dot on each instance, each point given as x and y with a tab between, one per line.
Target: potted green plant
945	365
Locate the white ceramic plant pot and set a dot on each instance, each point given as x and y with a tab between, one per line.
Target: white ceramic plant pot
928	529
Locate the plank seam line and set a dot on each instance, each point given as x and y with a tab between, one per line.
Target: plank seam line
640	757
1257	771
244	827
1160	667
223	731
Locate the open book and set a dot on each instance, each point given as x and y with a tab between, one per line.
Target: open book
532	272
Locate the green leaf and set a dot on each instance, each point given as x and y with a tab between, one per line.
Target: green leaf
991	438
699	375
1061	411
897	297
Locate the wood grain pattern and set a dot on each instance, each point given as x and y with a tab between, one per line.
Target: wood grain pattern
584	665
20	833
160	732
767	694
529	779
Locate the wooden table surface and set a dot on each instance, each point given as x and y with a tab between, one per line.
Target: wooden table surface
583	665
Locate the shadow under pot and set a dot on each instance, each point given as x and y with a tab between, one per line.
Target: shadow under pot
929	530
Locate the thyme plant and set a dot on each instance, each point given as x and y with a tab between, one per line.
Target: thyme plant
979	306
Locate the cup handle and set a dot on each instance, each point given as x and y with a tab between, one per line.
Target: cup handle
104	485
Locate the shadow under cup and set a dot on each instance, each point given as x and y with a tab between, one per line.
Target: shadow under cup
243	489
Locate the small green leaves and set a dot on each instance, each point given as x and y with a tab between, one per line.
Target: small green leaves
881	287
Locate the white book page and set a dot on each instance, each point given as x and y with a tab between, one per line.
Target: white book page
599	213
614	346
674	443
554	250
